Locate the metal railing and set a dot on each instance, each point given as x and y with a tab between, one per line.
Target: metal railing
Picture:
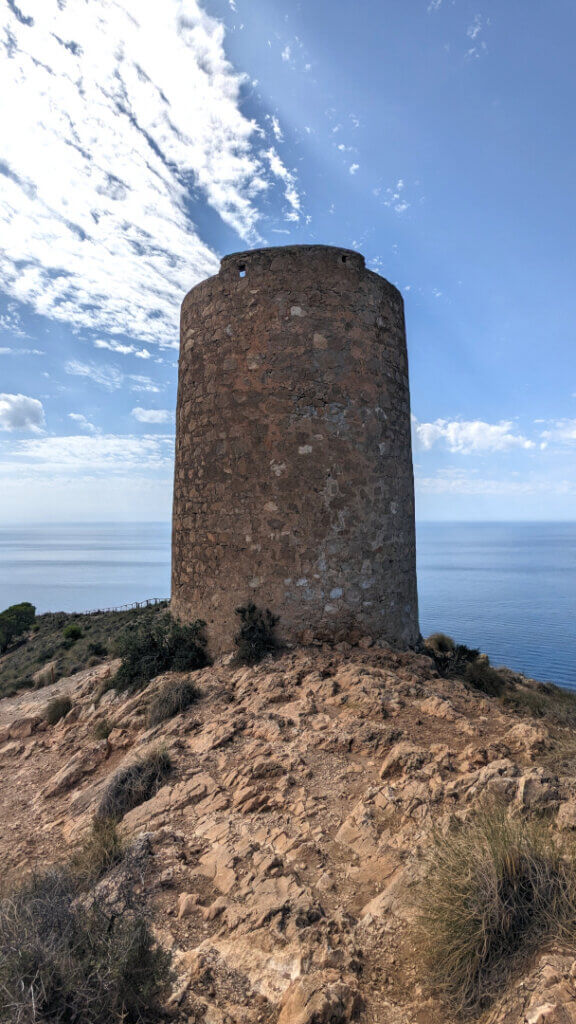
149	603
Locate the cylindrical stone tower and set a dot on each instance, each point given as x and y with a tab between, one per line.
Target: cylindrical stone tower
293	478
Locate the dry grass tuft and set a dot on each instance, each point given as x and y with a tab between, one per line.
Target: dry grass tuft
56	709
133	785
63	961
496	888
172	699
102	849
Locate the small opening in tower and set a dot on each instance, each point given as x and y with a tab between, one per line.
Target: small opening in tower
242	270
344	259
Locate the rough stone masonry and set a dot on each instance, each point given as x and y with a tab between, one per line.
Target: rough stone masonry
293	477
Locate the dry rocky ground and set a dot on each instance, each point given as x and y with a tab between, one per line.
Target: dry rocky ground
279	861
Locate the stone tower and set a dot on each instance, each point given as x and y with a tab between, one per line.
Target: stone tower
293	478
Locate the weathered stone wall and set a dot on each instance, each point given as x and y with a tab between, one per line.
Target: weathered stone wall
293	478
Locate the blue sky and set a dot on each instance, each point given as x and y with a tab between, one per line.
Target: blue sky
143	141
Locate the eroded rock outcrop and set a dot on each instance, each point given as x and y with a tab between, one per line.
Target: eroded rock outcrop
278	860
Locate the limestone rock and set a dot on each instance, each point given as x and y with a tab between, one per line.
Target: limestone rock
319	999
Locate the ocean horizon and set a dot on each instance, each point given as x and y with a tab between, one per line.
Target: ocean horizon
507	588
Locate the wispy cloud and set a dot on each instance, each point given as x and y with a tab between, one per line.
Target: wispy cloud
561	432
21	352
80	453
289	179
475	28
122	109
20	412
457	481
394	197
11	322
353	168
123	350
468	436
110	377
152	415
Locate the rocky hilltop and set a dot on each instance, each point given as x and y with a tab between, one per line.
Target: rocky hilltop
281	859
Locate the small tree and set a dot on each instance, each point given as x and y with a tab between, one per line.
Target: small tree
14	621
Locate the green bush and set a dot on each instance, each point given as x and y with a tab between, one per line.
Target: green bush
482	676
172	699
133	785
14	621
61	961
496	888
72	632
256	637
97	650
147	651
56	709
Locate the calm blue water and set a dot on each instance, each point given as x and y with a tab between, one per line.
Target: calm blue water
79	567
508	588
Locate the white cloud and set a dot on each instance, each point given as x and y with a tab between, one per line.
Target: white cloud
468	436
286	53
152	415
276	128
11	323
475	28
88	478
83	422
291	195
19	412
122	108
124	350
353	168
110	377
80	453
434	5
21	352
560	432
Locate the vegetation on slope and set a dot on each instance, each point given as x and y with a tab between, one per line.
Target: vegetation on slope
51	642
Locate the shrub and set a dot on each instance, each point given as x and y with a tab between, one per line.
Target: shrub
97	650
100	851
57	709
134	784
72	632
61	961
440	643
256	637
147	651
172	699
496	887
102	729
482	676
14	621
451	659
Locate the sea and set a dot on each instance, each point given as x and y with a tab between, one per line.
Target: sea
507	588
